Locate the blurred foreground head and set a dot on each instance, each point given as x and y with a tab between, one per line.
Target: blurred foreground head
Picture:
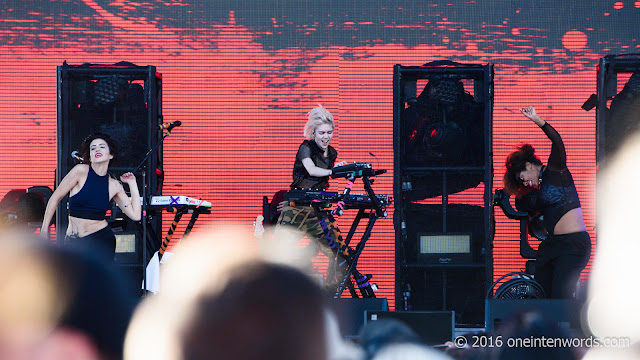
375	335
613	310
222	298
532	325
59	304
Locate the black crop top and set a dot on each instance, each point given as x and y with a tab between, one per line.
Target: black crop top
557	194
92	201
301	177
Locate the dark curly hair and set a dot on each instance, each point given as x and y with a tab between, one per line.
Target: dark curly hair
516	163
85	147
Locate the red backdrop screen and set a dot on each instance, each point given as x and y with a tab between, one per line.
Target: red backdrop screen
241	75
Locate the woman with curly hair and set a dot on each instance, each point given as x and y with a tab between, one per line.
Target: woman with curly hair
90	190
550	190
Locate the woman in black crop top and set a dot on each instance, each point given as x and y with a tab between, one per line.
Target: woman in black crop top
311	170
550	190
91	189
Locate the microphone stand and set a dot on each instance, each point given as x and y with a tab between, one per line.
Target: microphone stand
144	234
144	211
152	150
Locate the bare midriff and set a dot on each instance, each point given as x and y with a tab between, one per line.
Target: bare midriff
571	222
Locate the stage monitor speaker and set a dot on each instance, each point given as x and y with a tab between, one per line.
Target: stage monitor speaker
433	327
565	312
351	313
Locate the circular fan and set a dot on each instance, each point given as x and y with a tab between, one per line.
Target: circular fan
522	286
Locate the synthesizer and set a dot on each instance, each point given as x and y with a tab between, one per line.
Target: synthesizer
178	201
351	200
357	169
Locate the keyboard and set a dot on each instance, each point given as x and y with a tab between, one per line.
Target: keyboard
351	200
178	201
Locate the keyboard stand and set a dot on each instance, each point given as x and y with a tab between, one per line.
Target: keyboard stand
179	211
353	275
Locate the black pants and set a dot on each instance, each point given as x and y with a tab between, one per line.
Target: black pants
559	262
101	243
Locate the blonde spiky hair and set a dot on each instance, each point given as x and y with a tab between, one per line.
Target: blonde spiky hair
317	116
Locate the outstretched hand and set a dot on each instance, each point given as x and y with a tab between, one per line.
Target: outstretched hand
128	178
530	112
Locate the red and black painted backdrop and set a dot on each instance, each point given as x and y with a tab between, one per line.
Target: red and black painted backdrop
241	75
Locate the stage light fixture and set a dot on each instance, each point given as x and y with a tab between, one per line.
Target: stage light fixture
624	118
444	124
106	90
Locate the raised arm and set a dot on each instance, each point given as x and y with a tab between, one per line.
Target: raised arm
66	185
132	208
558	157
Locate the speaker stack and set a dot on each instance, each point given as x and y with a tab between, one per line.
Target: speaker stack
442	148
123	101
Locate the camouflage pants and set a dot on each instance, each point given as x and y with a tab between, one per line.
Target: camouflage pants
320	228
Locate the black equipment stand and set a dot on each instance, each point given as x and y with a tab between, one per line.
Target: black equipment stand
501	199
195	213
378	210
145	209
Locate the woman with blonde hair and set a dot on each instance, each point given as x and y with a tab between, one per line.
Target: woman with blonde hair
315	156
311	171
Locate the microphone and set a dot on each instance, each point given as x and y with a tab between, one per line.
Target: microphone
76	155
377	160
169	126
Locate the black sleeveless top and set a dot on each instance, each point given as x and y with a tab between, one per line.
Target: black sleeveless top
92	201
301	178
557	194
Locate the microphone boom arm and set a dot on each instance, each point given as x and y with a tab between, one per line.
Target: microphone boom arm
154	148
